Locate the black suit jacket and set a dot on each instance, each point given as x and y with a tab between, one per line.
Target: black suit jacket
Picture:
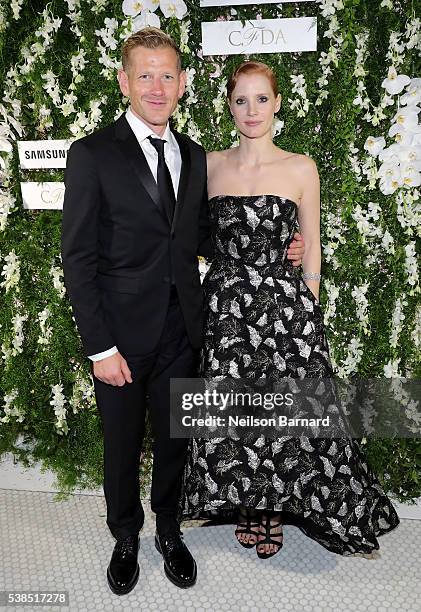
118	248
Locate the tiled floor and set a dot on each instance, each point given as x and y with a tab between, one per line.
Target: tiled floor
65	545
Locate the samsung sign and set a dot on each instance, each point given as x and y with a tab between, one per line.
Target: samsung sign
37	154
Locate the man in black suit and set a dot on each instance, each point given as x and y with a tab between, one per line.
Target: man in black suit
135	218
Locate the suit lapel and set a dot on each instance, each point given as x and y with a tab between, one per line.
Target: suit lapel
184	175
132	151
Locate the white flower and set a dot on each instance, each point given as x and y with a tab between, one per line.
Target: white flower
5	134
13	346
411	155
416	332
395	83
388	242
145	19
11	271
390	154
359	294
83	394
389	168
16	6
409	210
401	135
134	7
411	176
57	275
6	205
374	145
398	318
391	369
173	8
416	136
184	36
46	331
407	117
413	94
107	34
352	359
390	176
59	404
277	126
11	410
411	264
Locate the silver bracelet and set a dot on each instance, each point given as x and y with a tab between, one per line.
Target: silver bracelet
311	276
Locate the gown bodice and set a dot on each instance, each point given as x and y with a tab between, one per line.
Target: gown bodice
253	230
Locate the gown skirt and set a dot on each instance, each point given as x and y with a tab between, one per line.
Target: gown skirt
262	320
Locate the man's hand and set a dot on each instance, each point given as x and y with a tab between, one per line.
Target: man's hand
296	250
113	370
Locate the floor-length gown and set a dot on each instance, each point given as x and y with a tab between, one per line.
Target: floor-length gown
261	319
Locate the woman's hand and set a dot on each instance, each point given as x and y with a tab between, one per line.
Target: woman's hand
296	250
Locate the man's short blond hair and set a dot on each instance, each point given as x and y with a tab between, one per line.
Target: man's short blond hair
150	38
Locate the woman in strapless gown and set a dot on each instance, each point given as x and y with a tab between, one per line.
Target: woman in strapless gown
263	320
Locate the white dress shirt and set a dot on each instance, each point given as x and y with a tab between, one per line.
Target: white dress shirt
173	159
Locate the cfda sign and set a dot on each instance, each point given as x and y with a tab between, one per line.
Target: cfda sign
47	195
237	2
259	36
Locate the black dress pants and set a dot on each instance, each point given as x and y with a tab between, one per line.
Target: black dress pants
123	411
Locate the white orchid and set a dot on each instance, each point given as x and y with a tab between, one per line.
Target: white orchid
388	242
390	154
391	369
173	8
416	136
277	126
145	19
389	168
5	135
411	155
390	178
10	119
411	264
395	82
58	402
411	175
134	7
401	135
374	145
413	94
407	117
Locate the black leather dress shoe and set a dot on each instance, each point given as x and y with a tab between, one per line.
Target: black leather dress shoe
123	570
179	565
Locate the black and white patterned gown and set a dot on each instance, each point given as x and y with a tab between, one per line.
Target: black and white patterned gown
262	320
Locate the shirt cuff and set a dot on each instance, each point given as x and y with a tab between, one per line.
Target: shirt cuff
104	354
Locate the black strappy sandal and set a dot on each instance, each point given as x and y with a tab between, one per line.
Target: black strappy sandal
249	527
266	518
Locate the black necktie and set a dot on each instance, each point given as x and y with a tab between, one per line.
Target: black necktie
165	185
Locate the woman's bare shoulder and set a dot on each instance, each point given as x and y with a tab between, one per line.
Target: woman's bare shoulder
215	158
305	162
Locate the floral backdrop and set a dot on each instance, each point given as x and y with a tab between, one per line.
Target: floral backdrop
353	106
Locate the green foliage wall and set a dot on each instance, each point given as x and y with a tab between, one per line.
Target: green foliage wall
57	73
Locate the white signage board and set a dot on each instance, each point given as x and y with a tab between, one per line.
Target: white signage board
47	195
205	3
34	154
259	36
